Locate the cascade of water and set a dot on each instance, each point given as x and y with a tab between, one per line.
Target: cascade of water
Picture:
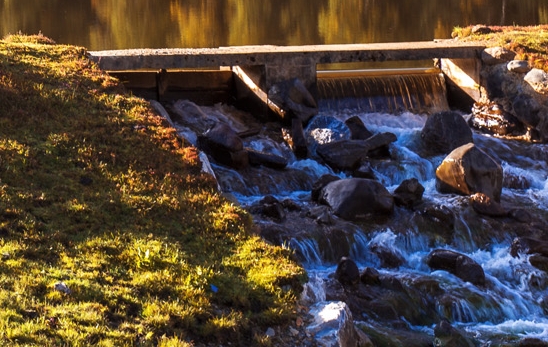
389	93
513	299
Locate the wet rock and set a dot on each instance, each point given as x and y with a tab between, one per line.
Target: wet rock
448	336
358	130
266	159
370	276
357	198
496	55
298	138
333	325
528	245
482	204
348	154
347	272
539	261
389	258
408	193
521	215
468	170
320	184
365	171
293	97
518	66
225	146
532	342
445	131
188	113
458	264
492	119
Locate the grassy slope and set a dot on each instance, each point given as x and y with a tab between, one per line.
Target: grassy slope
530	42
97	193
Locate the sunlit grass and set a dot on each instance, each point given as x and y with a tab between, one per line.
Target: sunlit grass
530	42
99	195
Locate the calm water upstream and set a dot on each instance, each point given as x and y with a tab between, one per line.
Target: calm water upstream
117	24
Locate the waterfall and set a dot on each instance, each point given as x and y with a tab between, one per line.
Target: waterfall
393	93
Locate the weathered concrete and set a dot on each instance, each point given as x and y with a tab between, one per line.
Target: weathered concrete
282	62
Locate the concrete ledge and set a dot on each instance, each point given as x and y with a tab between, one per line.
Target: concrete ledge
135	59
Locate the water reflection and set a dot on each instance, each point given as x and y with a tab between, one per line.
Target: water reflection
111	24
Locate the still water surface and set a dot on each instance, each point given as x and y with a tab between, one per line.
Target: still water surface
118	24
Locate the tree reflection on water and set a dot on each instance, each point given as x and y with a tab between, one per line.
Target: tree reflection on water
115	24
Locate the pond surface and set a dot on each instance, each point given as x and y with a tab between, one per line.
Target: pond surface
118	24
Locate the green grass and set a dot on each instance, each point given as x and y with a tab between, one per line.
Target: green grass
529	42
98	192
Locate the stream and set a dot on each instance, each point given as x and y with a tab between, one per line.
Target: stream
404	300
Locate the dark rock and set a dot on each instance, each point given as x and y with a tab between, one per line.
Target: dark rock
408	193
266	159
468	170
528	245
364	171
448	336
521	215
482	204
526	109
347	272
225	146
357	198
389	258
370	276
348	154
539	261
480	29
320	184
445	131
532	342
358	130
458	264
299	140
293	97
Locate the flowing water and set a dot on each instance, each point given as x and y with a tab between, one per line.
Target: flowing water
511	306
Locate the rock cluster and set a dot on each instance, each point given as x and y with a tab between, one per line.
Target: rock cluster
515	102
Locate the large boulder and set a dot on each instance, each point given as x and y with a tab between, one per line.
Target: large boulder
348	154
445	131
468	170
293	97
458	264
357	198
225	146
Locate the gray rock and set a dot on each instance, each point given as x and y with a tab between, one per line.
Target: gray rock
518	66
496	55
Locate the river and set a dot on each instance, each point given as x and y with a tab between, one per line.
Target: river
120	24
